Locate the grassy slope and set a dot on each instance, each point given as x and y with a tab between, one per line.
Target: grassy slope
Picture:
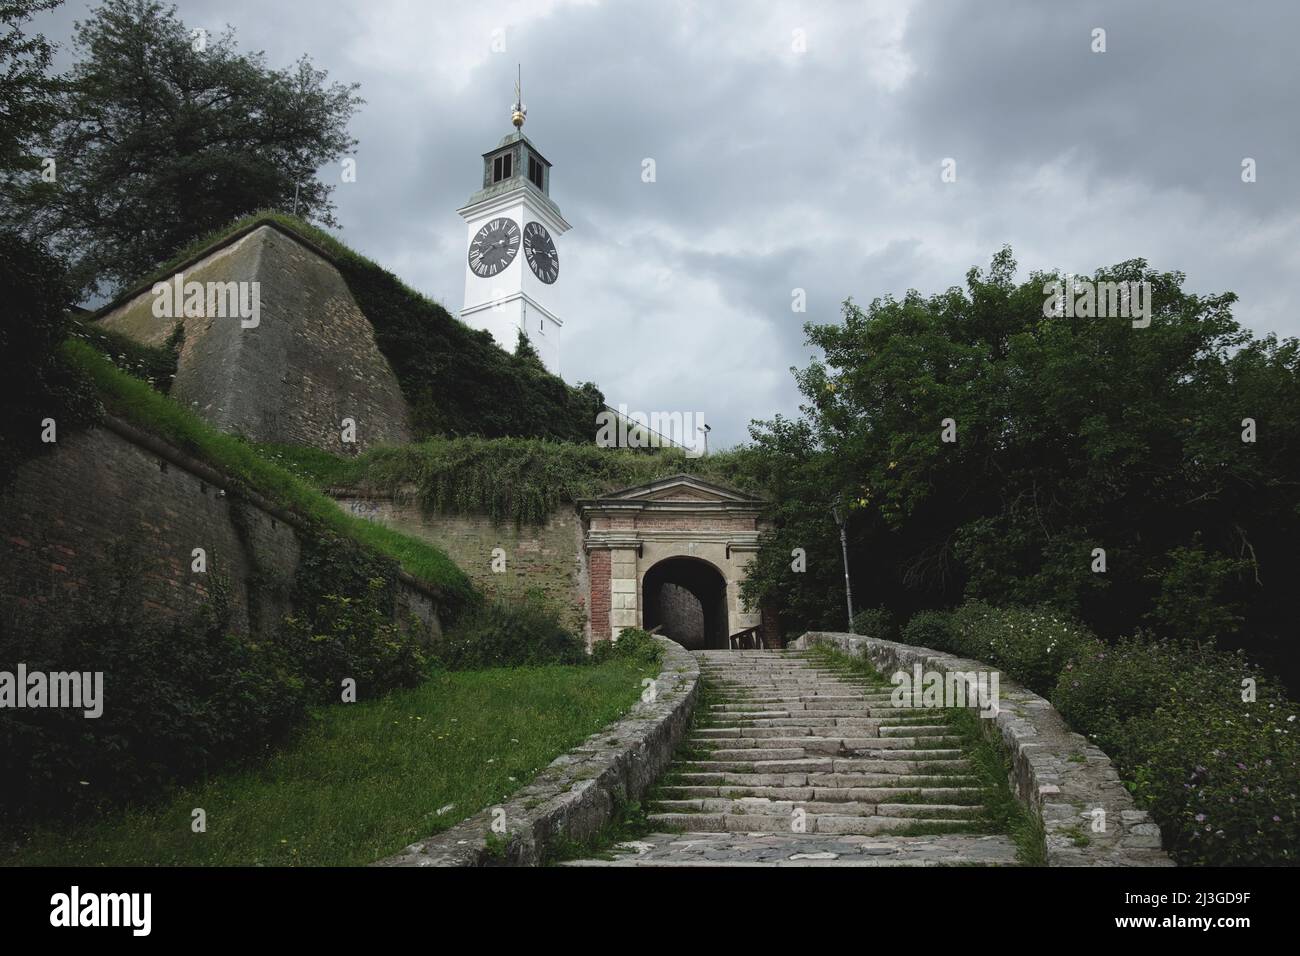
137	403
368	778
521	479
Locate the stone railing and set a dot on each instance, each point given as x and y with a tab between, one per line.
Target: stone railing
578	794
1059	775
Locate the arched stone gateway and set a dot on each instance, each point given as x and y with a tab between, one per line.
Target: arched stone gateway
673	554
687	599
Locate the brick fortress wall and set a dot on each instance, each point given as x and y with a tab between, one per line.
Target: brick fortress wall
545	559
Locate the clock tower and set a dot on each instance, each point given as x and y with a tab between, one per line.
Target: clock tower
511	264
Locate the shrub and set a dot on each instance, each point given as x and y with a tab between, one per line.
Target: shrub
1193	602
929	629
179	702
876	622
633	645
188	698
1032	645
347	637
509	634
1219	776
1102	686
342	625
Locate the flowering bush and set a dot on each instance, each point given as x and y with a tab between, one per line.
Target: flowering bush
1221	779
1103	686
1031	644
1219	774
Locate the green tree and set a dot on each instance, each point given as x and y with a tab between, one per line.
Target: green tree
166	135
26	90
524	350
1072	434
39	386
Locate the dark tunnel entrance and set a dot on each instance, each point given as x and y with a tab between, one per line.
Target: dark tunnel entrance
687	598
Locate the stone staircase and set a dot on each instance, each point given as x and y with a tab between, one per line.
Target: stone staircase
795	761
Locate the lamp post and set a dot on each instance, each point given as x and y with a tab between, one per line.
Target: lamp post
706	429
838	515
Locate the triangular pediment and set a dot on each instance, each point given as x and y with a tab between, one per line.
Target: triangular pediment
683	488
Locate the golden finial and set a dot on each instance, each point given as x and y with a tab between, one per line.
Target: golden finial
520	112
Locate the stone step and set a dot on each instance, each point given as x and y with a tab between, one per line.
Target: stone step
812	823
887	774
792	680
803	764
731	716
746	806
820	721
838	704
813	746
782	732
915	730
785	699
965	796
803	850
845	778
787	685
810	744
903	715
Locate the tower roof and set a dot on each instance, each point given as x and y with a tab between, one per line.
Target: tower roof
516	137
518	175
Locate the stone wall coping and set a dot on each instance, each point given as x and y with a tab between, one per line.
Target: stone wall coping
189	262
577	794
1059	775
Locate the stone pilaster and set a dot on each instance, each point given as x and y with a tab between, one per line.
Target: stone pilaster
623	590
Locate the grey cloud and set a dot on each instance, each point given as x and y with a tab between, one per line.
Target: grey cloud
777	171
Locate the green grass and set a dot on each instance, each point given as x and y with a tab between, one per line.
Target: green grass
516	479
991	764
133	400
846	665
366	779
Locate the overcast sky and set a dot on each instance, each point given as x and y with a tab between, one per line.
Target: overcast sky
815	168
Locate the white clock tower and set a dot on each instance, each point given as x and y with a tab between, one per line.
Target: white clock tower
512	265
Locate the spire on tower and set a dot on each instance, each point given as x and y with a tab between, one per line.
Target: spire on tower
519	110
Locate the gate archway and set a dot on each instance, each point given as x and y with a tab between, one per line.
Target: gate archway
686	598
674	553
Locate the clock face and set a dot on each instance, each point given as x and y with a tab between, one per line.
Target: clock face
540	252
494	247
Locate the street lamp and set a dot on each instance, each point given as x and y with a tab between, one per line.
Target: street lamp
838	515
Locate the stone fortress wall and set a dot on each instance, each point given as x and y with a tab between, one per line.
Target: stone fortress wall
111	501
545	560
310	362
